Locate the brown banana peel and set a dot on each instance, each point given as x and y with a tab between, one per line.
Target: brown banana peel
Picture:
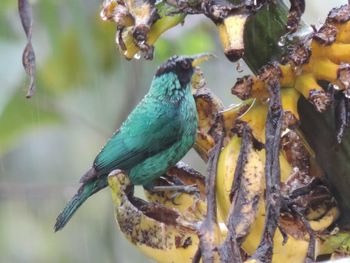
159	232
139	24
192	206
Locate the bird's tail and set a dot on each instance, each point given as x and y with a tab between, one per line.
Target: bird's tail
84	192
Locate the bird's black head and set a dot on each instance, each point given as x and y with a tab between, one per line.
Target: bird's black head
181	66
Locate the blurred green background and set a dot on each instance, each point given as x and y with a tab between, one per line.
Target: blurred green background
84	92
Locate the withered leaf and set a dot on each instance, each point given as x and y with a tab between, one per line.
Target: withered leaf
28	58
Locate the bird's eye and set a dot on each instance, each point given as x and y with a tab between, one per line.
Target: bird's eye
185	64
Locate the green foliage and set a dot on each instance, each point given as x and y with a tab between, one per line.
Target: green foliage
20	116
194	41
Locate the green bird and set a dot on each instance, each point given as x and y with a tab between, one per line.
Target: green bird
155	136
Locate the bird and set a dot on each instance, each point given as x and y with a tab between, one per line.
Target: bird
155	136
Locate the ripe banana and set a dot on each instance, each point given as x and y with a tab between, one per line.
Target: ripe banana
231	31
159	232
323	56
294	157
139	24
191	206
252	176
163	24
208	106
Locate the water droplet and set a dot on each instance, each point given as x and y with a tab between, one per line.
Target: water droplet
265	101
347	93
297	70
239	67
336	87
282	41
286	131
137	55
103	15
117	39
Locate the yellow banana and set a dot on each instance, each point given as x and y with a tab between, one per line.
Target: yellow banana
139	24
296	247
159	232
231	30
289	98
255	117
253	175
159	27
327	61
118	12
192	206
142	11
208	106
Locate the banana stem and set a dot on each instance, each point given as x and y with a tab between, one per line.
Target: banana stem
230	250
209	233
272	172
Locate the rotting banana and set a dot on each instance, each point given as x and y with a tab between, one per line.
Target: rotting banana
321	56
294	159
253	175
159	232
296	246
139	24
191	206
253	180
231	30
130	49
118	12
208	107
144	13
244	194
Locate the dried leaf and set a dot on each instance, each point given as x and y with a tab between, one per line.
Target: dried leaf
28	58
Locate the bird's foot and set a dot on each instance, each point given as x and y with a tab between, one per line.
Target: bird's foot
188	189
177	189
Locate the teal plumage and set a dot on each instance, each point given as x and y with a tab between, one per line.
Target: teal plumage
155	136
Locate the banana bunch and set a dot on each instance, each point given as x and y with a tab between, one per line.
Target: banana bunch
250	212
241	22
321	56
167	227
298	174
139	24
305	213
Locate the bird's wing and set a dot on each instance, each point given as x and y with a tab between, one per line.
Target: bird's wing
145	133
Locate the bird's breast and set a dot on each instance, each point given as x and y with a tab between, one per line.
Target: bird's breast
189	113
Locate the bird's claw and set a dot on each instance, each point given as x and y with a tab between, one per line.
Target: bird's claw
188	189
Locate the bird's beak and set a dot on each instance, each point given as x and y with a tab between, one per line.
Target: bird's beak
200	58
